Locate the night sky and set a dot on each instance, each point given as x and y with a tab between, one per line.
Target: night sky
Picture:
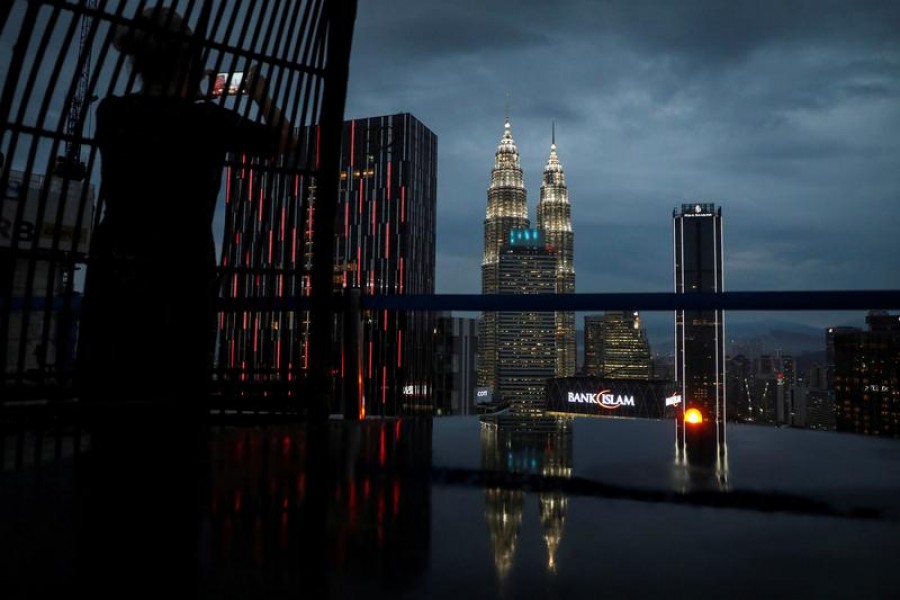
785	114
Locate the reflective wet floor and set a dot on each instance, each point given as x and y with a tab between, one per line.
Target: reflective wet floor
455	507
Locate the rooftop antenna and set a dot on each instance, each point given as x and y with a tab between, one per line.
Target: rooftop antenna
553	133
507	107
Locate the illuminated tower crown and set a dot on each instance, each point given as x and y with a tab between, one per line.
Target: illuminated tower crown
506	209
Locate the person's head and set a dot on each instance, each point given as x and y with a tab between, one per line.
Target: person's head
162	50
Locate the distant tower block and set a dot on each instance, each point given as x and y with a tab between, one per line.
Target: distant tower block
506	210
699	334
554	218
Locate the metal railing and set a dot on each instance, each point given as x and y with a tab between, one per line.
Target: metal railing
61	62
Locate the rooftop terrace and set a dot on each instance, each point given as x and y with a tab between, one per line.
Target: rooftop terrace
458	506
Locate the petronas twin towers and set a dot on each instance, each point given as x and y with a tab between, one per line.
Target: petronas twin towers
546	264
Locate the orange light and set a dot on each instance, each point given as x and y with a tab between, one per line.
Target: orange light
693	416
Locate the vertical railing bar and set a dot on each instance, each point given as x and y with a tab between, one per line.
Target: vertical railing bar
239	44
223	375
9	89
34	251
250	163
274	179
340	21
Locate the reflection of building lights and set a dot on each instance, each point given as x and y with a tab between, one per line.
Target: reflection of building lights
693	416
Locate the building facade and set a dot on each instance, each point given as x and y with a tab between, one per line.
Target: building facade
616	346
507	209
867	377
456	339
45	230
507	212
385	244
526	341
554	218
699	334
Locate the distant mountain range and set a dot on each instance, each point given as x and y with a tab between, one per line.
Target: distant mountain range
765	337
748	338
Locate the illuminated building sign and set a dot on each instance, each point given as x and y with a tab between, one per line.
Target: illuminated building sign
673	400
598	397
603	398
697	210
415	390
483	396
876	388
526	237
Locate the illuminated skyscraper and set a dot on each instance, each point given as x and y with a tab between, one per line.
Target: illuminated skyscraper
385	233
526	344
454	365
616	346
699	334
506	210
554	218
867	377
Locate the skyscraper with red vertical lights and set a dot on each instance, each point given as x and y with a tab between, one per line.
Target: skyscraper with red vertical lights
385	244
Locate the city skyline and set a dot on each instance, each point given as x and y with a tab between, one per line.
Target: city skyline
781	115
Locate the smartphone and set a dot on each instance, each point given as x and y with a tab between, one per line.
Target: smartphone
228	84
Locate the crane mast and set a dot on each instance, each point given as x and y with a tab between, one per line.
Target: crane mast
70	164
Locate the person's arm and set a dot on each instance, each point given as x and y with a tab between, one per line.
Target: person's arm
259	92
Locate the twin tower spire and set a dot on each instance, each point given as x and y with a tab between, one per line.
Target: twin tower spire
507	209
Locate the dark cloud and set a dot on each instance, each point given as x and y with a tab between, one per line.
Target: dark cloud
784	113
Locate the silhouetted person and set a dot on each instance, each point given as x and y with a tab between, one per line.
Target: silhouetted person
148	321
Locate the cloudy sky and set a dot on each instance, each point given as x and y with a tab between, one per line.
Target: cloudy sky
785	114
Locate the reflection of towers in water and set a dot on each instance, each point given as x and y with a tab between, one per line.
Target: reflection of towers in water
504	515
531	447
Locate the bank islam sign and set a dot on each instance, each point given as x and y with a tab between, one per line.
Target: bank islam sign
599	397
603	399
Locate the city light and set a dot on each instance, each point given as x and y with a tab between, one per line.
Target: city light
693	416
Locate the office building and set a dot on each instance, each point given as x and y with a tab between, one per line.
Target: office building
526	341
699	334
456	339
739	378
867	377
616	346
385	244
44	239
554	218
507	209
819	399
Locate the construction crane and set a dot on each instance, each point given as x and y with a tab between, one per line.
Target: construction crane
69	164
